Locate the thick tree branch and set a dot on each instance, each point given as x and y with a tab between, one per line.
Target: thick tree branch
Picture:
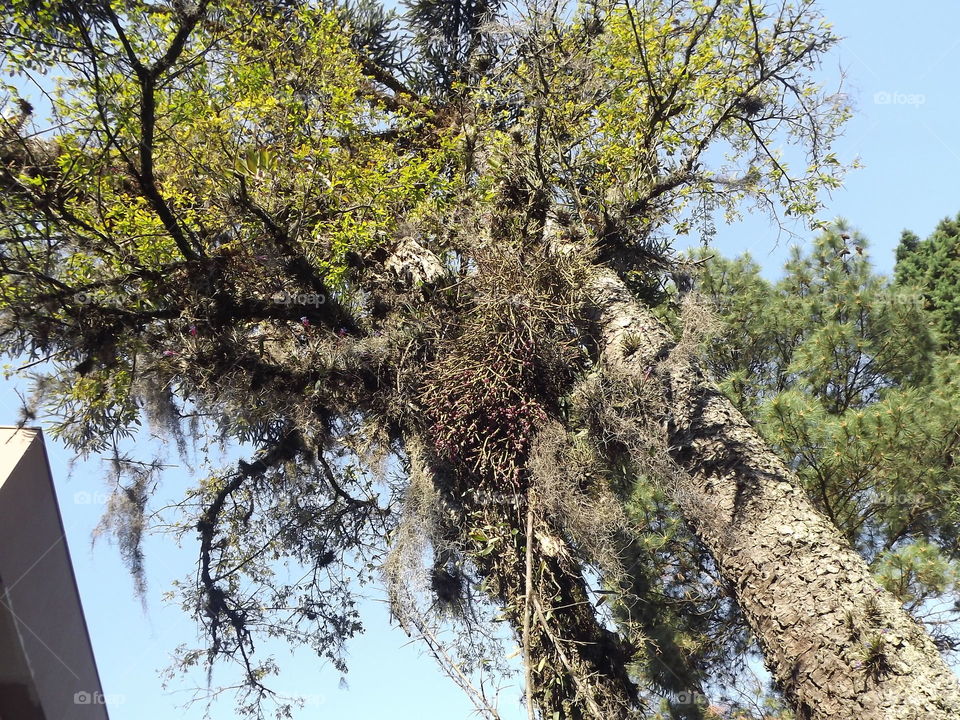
806	594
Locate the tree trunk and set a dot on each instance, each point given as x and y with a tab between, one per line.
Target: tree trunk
838	645
577	668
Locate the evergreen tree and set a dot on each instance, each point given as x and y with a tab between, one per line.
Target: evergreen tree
933	267
841	372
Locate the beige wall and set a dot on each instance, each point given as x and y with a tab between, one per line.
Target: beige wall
45	653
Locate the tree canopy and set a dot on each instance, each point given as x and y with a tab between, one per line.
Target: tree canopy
933	267
842	371
397	264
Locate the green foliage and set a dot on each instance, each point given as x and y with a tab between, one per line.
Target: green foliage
830	325
268	166
840	370
932	266
334	233
374	32
450	40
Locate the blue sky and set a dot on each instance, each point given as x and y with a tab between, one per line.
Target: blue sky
900	63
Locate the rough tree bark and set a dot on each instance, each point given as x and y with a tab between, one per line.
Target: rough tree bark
577	668
837	644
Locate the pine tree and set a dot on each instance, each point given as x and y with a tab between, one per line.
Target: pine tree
933	267
841	373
